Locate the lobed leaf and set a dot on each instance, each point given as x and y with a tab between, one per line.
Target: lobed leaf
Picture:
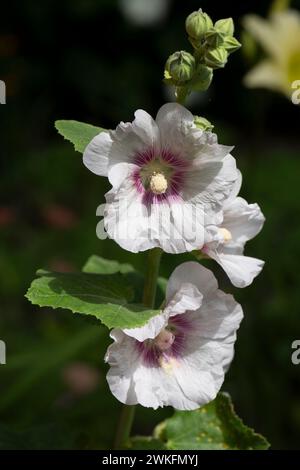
215	426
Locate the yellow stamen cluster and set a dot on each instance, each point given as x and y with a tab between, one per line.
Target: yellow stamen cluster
158	183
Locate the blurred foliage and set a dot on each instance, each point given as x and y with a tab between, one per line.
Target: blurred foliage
61	61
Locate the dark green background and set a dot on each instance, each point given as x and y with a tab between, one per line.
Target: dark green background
84	60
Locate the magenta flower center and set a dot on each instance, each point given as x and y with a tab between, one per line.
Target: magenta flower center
160	175
168	344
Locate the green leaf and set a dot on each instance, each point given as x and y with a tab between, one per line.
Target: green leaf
79	133
146	443
106	297
215	426
98	265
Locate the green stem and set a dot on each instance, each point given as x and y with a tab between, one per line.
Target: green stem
151	277
127	413
181	95
124	426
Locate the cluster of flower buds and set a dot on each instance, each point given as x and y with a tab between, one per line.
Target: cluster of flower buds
212	45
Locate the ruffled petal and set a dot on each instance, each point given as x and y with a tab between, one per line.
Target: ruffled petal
123	358
240	269
175	123
193	273
174	226
96	154
243	220
209	184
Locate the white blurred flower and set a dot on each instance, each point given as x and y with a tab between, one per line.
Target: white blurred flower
167	176
179	357
144	12
240	222
280	38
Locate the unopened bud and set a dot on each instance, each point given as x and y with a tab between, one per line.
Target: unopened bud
231	44
203	123
197	24
225	26
180	67
202	78
216	58
214	38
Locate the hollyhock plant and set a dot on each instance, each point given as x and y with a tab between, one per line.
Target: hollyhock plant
180	356
239	223
167	176
174	189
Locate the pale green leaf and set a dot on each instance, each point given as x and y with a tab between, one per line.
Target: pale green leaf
98	265
79	133
106	297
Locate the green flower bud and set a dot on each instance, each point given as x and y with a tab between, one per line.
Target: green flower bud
231	44
203	123
216	58
197	24
180	67
225	26
202	78
214	38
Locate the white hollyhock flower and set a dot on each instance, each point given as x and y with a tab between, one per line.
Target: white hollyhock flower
179	357
166	175
240	222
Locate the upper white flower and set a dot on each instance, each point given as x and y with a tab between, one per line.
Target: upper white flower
166	175
240	222
179	357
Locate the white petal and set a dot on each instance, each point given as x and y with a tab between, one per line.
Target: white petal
130	139
123	358
193	273
96	154
235	189
174	122
219	317
126	217
175	227
146	128
211	183
188	298
176	384
150	330
243	220
240	269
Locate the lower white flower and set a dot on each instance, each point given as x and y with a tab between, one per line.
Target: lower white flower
241	222
180	356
